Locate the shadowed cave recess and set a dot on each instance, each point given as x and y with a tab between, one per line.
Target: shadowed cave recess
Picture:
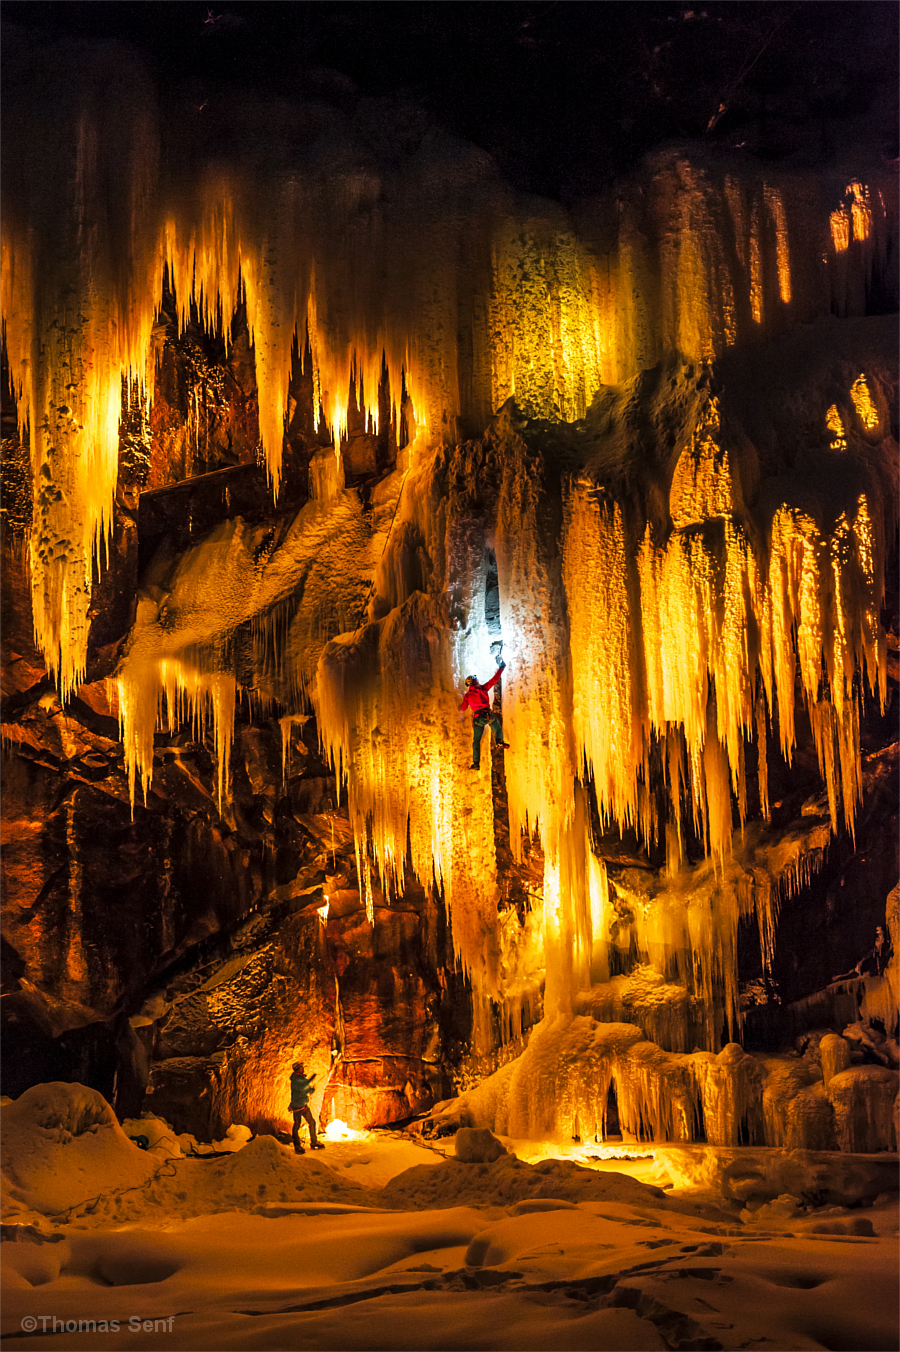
306	410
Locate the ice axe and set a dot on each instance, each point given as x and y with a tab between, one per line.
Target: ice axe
497	652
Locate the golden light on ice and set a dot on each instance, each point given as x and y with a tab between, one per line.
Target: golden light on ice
657	619
840	230
864	404
835	424
169	693
776	207
860	210
853	219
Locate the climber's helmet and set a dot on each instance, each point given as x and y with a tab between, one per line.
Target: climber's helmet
471	680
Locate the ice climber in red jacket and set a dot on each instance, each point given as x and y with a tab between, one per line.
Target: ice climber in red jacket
479	701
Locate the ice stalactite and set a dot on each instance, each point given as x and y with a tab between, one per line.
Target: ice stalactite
710	255
387	706
606	722
80	264
678	642
178	693
826	590
226	616
387	701
540	777
426	266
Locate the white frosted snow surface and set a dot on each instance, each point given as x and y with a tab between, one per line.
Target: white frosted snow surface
384	1242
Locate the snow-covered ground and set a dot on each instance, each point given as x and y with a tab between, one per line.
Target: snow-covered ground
385	1242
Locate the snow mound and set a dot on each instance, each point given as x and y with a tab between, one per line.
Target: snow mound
62	1146
164	1141
506	1181
258	1177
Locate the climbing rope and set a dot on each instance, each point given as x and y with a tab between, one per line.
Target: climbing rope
90	1204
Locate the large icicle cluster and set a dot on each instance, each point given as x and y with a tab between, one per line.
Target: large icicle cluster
78	301
689	646
224	615
650	636
388	715
424	262
680	564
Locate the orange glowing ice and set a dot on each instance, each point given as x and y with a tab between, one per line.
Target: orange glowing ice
860	210
864	404
835	424
840	230
852	218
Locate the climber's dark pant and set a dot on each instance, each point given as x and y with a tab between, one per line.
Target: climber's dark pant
479	723
299	1115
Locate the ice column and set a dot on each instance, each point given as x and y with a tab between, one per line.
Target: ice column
388	716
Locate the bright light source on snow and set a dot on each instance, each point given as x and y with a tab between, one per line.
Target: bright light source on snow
339	1131
613	1152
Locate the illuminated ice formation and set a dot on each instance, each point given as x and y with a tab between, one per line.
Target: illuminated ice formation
560	1088
226	607
624	653
621	650
425	265
678	562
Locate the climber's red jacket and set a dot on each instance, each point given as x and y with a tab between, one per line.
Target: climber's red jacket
476	697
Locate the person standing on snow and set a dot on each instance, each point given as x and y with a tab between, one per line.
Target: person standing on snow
479	701
301	1089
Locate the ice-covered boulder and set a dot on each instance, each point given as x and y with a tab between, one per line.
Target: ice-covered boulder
63	1146
478	1145
760	1174
863	1098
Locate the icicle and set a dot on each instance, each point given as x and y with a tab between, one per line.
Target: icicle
175	692
388	715
80	258
779	218
600	586
862	401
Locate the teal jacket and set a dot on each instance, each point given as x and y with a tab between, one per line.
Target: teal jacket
301	1088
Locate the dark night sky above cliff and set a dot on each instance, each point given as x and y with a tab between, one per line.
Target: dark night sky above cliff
564	94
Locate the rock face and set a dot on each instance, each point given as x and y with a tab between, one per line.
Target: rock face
189	956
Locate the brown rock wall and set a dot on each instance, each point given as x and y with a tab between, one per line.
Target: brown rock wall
188	953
